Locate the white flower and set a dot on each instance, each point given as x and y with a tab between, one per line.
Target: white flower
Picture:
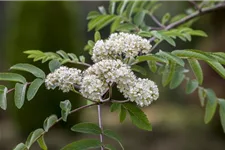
64	78
143	92
92	87
120	45
111	71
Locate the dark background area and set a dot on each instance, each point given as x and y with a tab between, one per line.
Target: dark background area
177	118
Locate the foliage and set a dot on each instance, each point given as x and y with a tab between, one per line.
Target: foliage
130	17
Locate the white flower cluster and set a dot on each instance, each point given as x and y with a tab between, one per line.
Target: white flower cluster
143	92
101	74
92	87
109	69
64	78
120	45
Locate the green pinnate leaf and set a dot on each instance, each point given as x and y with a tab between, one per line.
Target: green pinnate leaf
196	67
82	59
115	106
217	67
21	146
73	57
198	33
166	18
85	144
202	96
29	68
14	77
222	112
63	54
3	98
112	6
100	21
123	114
121	7
152	66
106	22
65	109
53	65
34	136
139	18
92	15
85	127
155	7
113	136
126	27
197	54
130	8
156	34
97	36
115	24
152	57
168	74
139	69
33	88
138	117
91	43
49	122
177	79
168	39
171	57
41	143
19	95
191	86
211	105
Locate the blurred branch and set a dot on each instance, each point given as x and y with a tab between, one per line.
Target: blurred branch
196	14
156	21
192	16
120	101
197	7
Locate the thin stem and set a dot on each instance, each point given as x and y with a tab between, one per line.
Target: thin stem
100	125
156	21
195	5
120	101
12	89
79	63
155	45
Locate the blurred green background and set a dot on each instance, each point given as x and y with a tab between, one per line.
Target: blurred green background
177	118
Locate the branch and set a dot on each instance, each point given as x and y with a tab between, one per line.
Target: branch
192	16
156	21
195	14
100	124
83	107
195	5
71	112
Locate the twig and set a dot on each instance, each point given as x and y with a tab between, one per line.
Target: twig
195	5
120	101
12	89
71	112
156	20
195	14
100	125
79	63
